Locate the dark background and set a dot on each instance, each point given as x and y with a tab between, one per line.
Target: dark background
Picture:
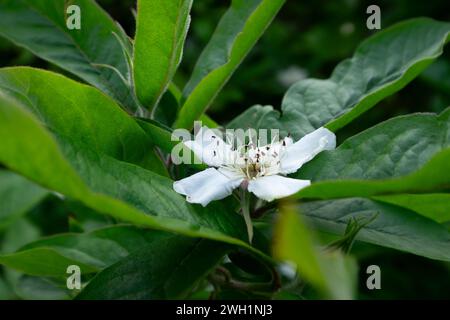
308	39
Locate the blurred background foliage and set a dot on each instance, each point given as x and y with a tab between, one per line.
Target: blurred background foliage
307	39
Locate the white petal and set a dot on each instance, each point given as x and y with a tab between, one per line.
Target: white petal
206	186
295	155
210	148
274	187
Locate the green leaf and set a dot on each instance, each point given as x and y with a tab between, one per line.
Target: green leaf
159	134
36	288
237	32
293	242
119	189
394	227
404	154
257	117
435	206
381	65
167	269
431	177
94	53
160	33
17	196
91	251
5	291
42	262
81	113
332	273
19	233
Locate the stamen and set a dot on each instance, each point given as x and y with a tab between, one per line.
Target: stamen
273	139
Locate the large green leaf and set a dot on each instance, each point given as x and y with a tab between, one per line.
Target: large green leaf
17	195
122	190
237	32
156	264
37	288
91	53
435	206
382	65
42	262
432	177
407	154
6	292
167	269
161	30
91	251
393	226
82	113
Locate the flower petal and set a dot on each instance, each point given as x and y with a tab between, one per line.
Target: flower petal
304	150
206	186
210	148
274	187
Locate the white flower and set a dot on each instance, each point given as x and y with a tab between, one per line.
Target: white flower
261	169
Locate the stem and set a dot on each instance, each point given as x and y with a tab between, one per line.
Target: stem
220	280
245	204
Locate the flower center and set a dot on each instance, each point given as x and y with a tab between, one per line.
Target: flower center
251	161
259	162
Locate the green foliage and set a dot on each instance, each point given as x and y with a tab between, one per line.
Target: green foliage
17	196
237	32
394	226
96	57
387	158
98	180
160	35
78	160
91	251
331	272
435	206
382	65
167	269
